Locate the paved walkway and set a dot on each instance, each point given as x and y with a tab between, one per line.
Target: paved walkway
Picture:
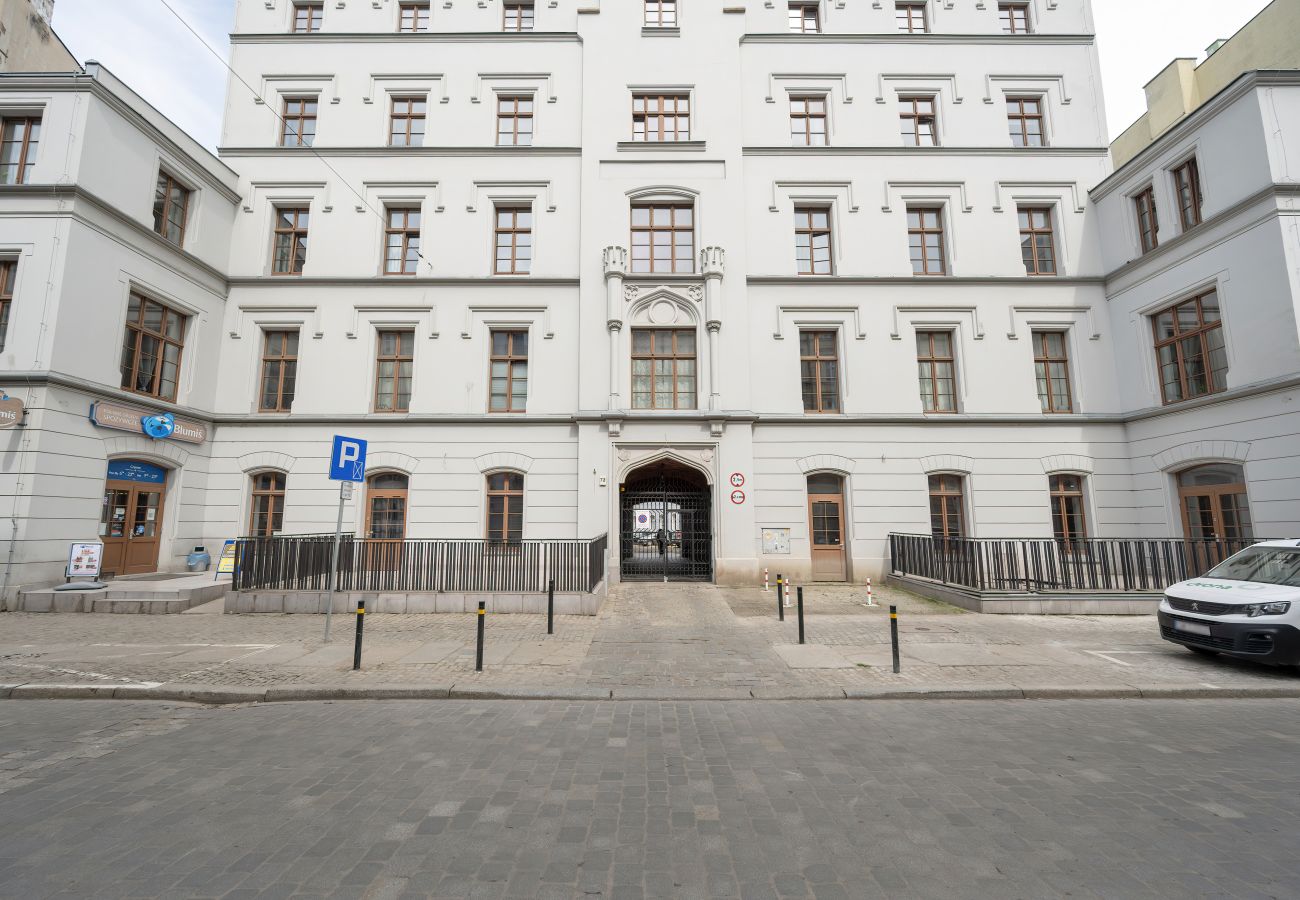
649	640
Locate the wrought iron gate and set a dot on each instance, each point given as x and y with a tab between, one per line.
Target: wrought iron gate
667	530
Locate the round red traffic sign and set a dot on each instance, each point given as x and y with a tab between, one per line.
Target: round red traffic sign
737	480
737	497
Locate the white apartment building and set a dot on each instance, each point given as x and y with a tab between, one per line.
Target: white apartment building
744	286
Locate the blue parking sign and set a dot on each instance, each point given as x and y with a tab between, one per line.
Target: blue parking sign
348	459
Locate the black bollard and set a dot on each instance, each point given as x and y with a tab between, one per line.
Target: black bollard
893	635
550	607
800	595
780	597
482	615
361	621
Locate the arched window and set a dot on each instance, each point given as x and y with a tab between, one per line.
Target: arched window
947	513
505	507
266	515
1069	521
386	506
1214	503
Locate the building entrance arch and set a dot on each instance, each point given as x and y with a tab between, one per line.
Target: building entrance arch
666	524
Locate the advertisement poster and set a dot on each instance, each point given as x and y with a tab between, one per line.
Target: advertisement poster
226	564
84	559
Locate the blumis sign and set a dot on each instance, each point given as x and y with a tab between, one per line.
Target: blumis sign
348	459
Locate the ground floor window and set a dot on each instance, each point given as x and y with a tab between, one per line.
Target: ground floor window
267	514
505	507
386	506
1069	521
947	513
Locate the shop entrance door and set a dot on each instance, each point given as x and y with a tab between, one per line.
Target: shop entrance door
130	524
826	526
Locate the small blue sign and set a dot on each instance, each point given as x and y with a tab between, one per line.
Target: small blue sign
348	459
133	470
160	426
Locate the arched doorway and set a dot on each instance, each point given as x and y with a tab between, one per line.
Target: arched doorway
131	518
826	526
1214	503
666	524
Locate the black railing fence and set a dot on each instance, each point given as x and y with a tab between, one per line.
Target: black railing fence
302	563
1039	565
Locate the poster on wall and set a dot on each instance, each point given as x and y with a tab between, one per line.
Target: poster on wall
84	559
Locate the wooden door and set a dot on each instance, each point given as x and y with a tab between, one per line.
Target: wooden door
826	527
131	527
1215	511
386	520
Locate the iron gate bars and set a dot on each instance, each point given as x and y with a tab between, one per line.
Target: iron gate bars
666	527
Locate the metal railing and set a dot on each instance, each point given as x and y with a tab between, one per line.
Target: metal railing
302	563
1042	565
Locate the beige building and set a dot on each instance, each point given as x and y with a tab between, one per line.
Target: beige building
27	42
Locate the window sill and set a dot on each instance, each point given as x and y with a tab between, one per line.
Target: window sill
662	146
661	31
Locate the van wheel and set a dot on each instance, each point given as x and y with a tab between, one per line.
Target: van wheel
1204	651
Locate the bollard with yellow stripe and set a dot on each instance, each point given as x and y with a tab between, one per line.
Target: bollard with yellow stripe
356	648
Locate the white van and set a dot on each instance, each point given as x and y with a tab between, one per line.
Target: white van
1248	606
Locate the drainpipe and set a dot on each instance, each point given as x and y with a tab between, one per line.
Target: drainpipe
615	261
713	262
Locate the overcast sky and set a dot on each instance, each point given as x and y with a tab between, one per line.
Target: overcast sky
148	49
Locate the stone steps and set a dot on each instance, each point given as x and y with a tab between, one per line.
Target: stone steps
122	597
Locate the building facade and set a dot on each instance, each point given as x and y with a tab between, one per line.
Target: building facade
743	286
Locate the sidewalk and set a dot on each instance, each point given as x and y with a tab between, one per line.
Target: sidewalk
655	641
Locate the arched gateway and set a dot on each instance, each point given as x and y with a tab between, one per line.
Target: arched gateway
666	524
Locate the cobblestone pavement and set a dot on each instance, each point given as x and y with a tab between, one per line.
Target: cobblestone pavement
652	637
557	800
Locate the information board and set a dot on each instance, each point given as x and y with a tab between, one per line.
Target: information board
84	560
226	564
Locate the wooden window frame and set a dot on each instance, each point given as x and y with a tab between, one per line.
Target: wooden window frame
1145	207
418	20
162	216
1060	501
948	497
1020	112
1214	495
803	114
315	10
909	110
515	115
137	333
1044	361
935	361
409	239
805	224
1200	333
667	110
396	359
8	278
511	496
673	229
519	7
377	493
1031	232
1187	189
928	267
510	359
664	16
407	117
676	356
515	232
906	16
817	360
296	234
29	123
292	120
802	7
285	365
1007	15
274	496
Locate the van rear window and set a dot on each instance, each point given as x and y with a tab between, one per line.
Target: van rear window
1266	565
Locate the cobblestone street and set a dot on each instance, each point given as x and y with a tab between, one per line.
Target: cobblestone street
551	800
648	638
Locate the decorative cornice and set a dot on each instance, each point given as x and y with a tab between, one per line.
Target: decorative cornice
926	151
514	282
385	151
930	281
929	38
406	37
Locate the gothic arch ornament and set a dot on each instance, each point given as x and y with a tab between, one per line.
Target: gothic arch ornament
663	306
633	461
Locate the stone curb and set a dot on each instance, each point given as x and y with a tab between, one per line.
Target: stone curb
211	695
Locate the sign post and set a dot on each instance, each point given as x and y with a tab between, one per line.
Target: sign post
347	466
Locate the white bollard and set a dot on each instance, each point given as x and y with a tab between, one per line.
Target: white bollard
765	587
870	599
786	597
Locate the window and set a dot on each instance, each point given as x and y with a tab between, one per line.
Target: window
925	240
1015	17
514	240
911	17
919	124
663	238
660	13
663	368
812	240
515	121
406	122
509	389
657	118
279	371
402	241
1215	504
18	141
937	371
1147	221
413	17
8	274
1052	371
1069	522
386	507
299	126
808	121
1037	241
307	16
505	508
1189	349
266	514
805	17
170	203
1025	118
151	349
819	363
947	518
393	371
289	251
518	15
1187	184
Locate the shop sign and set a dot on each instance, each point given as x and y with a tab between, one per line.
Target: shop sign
226	562
11	411
140	421
84	559
132	470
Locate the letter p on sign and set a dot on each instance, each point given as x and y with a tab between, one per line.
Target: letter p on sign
348	459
